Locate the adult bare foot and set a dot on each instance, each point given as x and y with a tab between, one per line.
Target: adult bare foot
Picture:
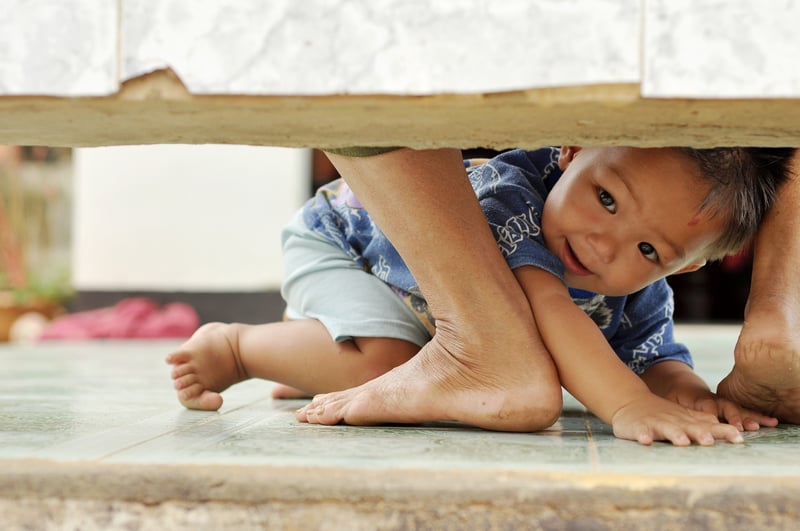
766	373
486	365
506	389
204	366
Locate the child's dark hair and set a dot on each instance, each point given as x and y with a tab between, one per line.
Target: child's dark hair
744	185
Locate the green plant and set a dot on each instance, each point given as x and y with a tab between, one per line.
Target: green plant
53	289
24	206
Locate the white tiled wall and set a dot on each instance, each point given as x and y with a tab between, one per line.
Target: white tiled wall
687	48
58	47
722	49
384	46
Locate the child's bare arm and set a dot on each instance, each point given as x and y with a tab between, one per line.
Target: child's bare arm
591	371
677	382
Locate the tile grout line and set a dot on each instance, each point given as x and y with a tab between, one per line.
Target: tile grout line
210	419
160	435
57	451
593	456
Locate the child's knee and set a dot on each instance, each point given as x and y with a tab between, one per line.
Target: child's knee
381	355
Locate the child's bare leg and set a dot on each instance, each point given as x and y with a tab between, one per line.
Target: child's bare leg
287	391
283	391
298	353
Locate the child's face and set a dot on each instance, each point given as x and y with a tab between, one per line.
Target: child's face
620	218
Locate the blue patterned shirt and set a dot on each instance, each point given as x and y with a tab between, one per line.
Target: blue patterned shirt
511	189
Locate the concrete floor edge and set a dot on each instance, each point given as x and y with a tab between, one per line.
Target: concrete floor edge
94	492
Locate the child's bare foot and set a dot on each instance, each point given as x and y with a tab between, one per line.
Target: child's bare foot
207	364
508	389
287	391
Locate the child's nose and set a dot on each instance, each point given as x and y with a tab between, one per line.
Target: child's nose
603	246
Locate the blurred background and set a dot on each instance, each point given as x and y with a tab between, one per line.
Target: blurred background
124	231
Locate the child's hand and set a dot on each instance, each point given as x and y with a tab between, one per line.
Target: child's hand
723	409
677	383
652	418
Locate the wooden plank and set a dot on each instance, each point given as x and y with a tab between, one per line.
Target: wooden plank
156	108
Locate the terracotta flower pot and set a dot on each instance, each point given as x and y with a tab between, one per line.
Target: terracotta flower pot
11	310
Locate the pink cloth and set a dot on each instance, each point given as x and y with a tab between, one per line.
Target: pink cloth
129	318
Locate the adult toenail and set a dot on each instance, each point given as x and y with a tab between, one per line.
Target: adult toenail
319	410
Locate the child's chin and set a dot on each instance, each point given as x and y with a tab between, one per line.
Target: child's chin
580	282
585	284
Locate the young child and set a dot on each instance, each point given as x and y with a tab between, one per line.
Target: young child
600	227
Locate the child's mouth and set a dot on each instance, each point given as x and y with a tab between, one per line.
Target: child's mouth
572	263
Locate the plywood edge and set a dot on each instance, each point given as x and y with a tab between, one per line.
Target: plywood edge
157	108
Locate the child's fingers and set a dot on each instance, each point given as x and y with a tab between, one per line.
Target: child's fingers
754	421
744	419
702	434
677	434
703	429
679	438
706	434
704	416
726	432
730	414
749	424
646	436
677	425
710	429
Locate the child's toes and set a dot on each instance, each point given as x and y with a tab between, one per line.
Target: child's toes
195	397
181	370
180	356
190	391
185	381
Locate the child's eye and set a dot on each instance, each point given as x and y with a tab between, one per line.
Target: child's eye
648	251
607	200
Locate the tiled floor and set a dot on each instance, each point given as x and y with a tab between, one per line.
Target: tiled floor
110	403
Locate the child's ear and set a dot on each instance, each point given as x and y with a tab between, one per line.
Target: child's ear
690	268
567	154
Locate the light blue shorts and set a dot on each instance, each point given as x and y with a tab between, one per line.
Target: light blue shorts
324	283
